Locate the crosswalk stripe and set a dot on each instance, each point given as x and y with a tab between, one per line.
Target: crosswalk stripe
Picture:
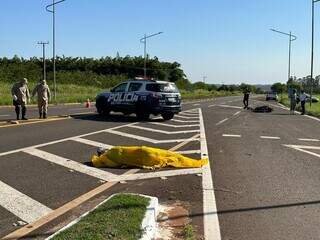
92	143
175	126
70	164
21	205
161	131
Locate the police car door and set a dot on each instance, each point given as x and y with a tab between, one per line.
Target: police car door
117	97
131	96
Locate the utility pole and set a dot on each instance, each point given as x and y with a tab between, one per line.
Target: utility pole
144	41
204	79
44	58
53	11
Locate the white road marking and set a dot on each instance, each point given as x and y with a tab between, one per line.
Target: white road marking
70	164
308	140
210	219
174	126
128	135
188	114
222	121
196	104
269	137
62	140
231	135
302	149
92	143
237	113
5	115
21	205
186	117
183	121
161	131
189	152
225	106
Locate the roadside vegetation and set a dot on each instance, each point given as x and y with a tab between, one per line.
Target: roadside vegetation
119	218
79	79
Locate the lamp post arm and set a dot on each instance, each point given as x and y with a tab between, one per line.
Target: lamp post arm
50	5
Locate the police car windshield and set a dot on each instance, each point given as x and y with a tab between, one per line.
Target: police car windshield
162	87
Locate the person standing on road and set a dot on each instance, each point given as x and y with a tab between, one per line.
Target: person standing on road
293	101
303	98
21	96
43	92
246	95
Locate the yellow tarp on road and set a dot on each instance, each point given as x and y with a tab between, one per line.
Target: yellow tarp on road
144	157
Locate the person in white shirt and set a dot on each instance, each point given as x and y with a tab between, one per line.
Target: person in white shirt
303	98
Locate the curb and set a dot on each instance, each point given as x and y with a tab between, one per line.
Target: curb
149	223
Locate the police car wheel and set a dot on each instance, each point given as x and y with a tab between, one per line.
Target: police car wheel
103	112
167	116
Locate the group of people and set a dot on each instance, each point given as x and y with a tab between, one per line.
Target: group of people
294	100
21	97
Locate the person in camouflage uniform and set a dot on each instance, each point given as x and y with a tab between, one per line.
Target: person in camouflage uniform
43	92
21	96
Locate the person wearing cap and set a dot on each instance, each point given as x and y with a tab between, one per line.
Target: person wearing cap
21	96
43	92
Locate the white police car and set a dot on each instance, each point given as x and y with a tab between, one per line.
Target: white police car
142	97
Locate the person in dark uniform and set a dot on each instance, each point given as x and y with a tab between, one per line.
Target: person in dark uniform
246	95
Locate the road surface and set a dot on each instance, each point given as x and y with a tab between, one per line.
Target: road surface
262	182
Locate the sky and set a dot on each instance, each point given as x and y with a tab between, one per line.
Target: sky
227	41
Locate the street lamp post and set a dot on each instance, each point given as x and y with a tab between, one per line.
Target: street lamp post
204	79
44	57
291	39
53	11
312	47
144	41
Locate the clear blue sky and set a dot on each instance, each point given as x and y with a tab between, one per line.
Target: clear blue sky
228	41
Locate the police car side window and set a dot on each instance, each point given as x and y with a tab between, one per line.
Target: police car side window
121	88
134	87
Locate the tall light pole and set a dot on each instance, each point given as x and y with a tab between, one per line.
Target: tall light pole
144	41
204	79
291	39
53	11
44	57
312	47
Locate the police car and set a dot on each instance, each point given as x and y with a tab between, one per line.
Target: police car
142	97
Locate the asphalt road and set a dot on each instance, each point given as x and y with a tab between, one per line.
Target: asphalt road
264	169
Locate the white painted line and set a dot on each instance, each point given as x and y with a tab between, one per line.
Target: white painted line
183	121
92	143
5	115
137	137
21	205
198	104
62	140
210	216
148	175
226	106
237	113
308	140
231	135
222	121
161	131
269	137
186	117
189	152
302	149
172	125
188	114
67	163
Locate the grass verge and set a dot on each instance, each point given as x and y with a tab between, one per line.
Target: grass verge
188	232
314	110
119	218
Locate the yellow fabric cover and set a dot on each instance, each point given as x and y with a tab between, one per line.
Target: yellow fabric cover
144	157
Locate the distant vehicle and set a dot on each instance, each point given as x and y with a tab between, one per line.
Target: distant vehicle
272	96
314	99
142	97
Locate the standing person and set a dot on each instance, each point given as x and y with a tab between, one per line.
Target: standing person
293	101
246	95
303	98
43	92
21	96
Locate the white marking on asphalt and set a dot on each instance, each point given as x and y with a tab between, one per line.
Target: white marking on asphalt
231	135
237	113
210	216
161	131
187	117
196	104
137	137
175	126
222	121
21	205
183	121
189	152
225	106
70	164
308	140
92	143
188	114
5	115
62	140
302	149
269	137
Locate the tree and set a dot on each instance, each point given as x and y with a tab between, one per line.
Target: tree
279	87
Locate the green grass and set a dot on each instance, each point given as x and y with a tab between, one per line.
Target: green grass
314	110
188	233
72	93
119	218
